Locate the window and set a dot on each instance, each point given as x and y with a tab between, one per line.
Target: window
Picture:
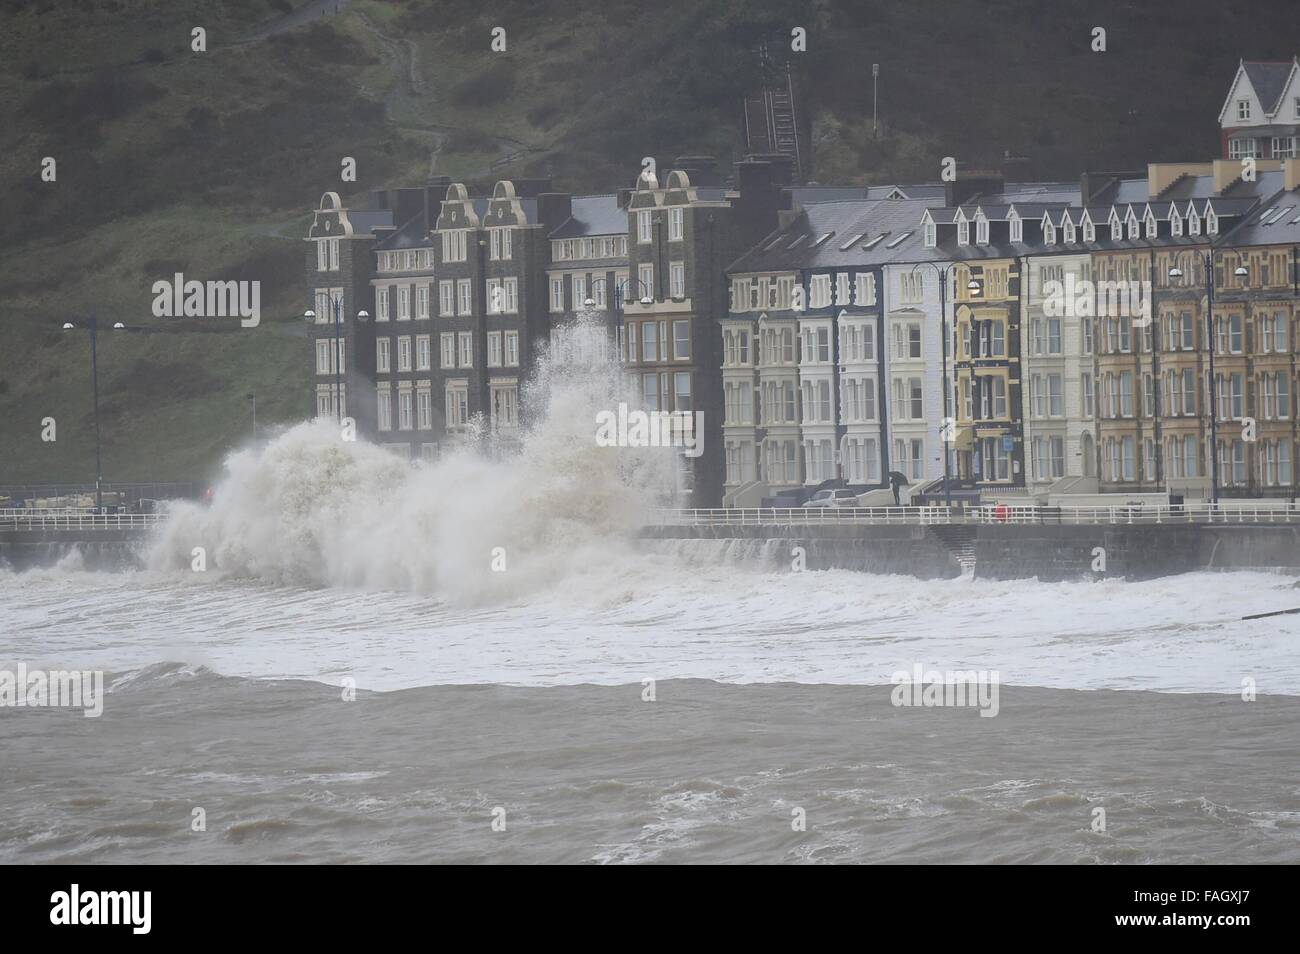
423	408
422	301
643	227
1243	147
334	254
455	245
677	280
646	277
447	348
650	392
865	291
446	299
650	341
384	408
1243	109
995	462
675	229
819	291
682	340
323	363
932	237
404	354
557	293
494	349
495	297
464	297
403	302
404	417
422	356
1086	387
963	232
512	349
682	391
1284	147
981	230
465	349
499	245
505	405
457	404
382	356
381	304
322	255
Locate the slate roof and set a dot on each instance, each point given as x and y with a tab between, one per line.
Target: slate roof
1283	228
1269	81
414	233
593	215
365	221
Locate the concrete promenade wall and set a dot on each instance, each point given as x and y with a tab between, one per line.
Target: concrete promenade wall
1048	552
1000	551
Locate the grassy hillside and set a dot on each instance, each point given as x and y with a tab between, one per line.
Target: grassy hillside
205	163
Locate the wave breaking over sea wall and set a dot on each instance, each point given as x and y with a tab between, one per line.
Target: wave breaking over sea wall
310	508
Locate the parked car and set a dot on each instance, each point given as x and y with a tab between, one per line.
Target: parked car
832	498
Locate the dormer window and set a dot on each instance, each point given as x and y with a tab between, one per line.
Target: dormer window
1211	223
1150	224
963	233
931	235
1089	231
981	230
1017	228
1193	223
1067	227
1116	229
1176	223
1132	225
1049	233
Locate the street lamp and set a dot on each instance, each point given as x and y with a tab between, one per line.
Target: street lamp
1241	271
973	286
336	305
92	325
618	292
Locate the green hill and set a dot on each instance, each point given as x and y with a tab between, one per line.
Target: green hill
205	162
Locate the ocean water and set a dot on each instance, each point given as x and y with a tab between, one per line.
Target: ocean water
479	661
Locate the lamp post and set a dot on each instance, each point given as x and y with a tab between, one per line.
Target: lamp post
1207	260
336	306
946	429
91	324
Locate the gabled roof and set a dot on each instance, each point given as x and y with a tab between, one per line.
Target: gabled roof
1269	81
